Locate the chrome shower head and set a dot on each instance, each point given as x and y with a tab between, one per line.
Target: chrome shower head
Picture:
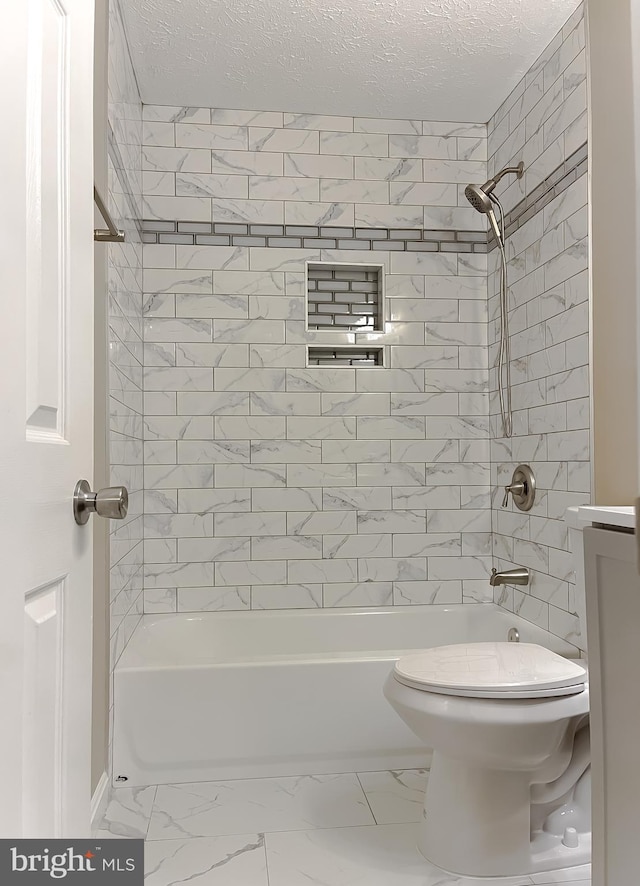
478	195
479	198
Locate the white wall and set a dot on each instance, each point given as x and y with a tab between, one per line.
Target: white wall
614	82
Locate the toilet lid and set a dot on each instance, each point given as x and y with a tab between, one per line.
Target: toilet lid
492	670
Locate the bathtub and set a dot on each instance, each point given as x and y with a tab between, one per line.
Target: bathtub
220	695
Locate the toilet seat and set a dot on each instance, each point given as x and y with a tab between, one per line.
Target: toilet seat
492	670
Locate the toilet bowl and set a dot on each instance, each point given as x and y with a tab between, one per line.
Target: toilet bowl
509	789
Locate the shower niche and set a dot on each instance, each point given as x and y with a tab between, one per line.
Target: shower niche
355	356
344	298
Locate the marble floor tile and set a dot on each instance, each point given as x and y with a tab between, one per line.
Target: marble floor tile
569	882
395	797
258	805
207	861
567	875
382	855
128	813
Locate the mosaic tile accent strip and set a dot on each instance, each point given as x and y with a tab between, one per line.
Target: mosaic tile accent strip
560	179
345	356
344	297
310	237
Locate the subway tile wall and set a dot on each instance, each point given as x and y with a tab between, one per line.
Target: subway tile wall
271	484
544	122
125	334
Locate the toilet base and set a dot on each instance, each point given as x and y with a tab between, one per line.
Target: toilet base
477	823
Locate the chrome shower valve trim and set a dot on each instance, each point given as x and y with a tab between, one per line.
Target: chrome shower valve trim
522	489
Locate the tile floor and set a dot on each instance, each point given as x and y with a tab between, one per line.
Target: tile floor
322	830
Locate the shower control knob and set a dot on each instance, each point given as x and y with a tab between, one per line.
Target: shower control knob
112	502
514	489
522	489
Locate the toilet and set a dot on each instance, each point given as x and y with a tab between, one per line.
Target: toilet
509	789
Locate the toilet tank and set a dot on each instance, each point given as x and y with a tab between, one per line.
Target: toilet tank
576	546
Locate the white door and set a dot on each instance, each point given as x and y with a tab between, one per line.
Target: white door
46	415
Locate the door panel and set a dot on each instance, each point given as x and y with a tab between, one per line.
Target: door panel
613	615
47	235
46	445
43	705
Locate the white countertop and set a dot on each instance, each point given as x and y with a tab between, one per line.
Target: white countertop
624	517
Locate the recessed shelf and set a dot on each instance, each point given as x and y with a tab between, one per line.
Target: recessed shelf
361	356
345	297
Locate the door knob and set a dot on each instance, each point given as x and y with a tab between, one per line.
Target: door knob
112	502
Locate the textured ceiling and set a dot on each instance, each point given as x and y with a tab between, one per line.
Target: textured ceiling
426	59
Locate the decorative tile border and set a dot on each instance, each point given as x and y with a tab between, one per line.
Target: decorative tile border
558	181
388	239
309	237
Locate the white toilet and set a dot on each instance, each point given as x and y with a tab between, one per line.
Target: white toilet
509	788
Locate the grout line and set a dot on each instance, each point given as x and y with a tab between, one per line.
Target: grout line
153	803
366	798
266	858
302	830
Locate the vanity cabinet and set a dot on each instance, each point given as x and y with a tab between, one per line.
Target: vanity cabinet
613	631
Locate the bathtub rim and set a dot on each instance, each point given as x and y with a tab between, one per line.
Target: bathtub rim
132	659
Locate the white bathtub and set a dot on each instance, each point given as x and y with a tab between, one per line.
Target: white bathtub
218	695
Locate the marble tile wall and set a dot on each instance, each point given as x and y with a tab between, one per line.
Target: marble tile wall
269	484
301	169
125	333
543	122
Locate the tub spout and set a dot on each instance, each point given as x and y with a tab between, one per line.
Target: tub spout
519	576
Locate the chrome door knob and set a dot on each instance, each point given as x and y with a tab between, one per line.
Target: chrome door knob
112	502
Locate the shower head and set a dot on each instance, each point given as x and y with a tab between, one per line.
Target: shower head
482	199
479	198
479	195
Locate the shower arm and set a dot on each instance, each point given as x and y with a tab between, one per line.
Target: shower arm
515	170
488	186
